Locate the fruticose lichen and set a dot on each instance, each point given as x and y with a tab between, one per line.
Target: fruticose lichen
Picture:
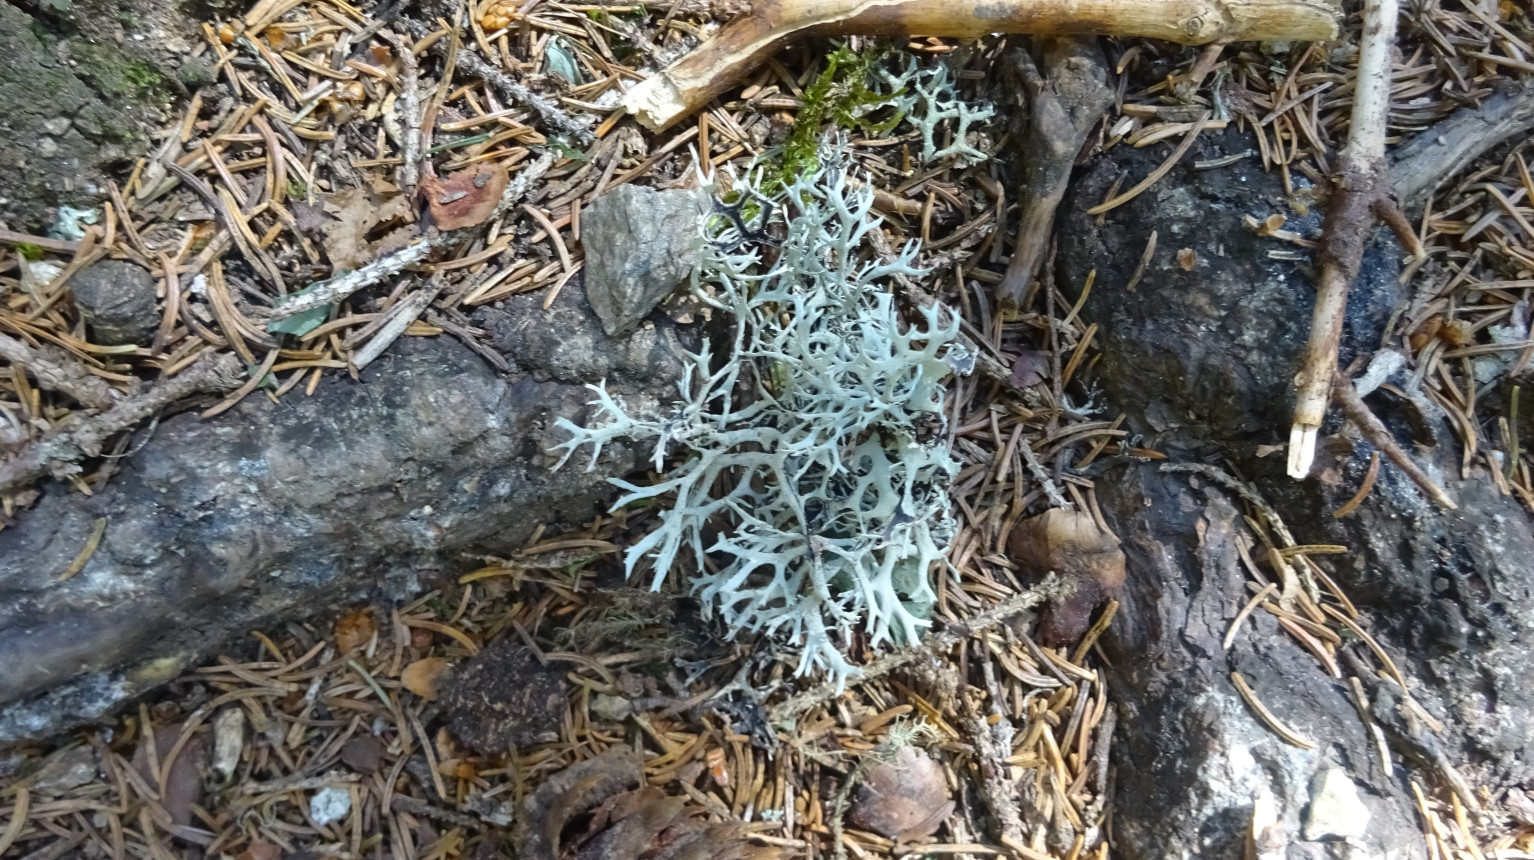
810	469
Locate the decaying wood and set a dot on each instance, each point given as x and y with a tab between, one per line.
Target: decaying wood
1065	103
1360	193
54	370
749	40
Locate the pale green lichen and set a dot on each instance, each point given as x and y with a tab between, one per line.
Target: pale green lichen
813	458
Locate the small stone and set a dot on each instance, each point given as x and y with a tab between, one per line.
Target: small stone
611	708
907	796
69	770
46	147
640	243
330	805
117	300
1335	812
56	126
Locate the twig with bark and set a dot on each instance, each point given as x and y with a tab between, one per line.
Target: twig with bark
58	452
1357	411
751	39
1052	588
474	65
57	372
1361	193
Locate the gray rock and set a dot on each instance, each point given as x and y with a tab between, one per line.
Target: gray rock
117	301
1335	811
640	243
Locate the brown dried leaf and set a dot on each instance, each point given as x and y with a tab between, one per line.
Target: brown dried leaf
1187	259
573	792
465	198
355	629
363	754
1029	368
357	219
1069	543
907	796
426	678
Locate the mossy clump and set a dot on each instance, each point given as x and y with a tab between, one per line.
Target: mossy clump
846	92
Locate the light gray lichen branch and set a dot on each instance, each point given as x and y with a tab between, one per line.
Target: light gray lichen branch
817	445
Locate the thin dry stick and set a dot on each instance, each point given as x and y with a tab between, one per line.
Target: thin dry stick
410	108
471	63
87	437
400	318
1357	411
336	289
1361	192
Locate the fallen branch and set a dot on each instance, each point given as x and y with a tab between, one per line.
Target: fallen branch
1444	151
1063	109
87	437
1052	588
749	40
59	373
1360	193
474	65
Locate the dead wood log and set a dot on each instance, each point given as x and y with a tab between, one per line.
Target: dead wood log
750	39
270	512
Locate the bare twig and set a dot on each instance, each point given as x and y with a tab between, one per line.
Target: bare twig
87	437
337	289
400	318
410	110
474	65
751	39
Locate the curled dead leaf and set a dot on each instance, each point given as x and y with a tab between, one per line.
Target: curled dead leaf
358	225
426	678
465	198
1069	543
600	809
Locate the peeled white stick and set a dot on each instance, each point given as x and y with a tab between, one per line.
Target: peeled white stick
1360	192
749	40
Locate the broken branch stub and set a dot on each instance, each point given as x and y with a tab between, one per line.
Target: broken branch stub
750	39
